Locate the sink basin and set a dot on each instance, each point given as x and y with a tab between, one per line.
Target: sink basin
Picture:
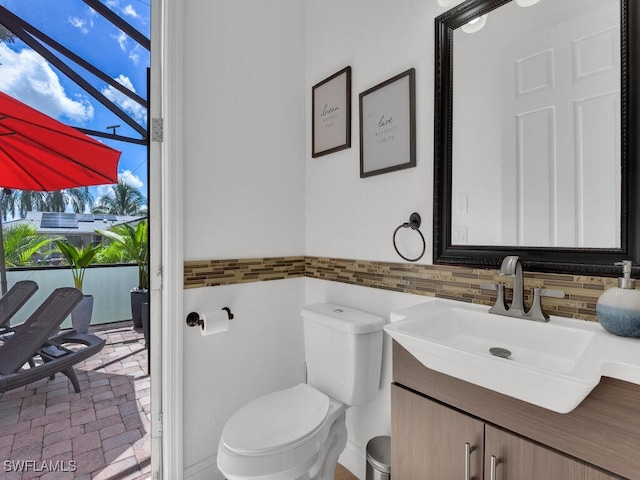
553	365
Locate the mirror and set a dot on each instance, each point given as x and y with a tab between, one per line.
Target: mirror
532	156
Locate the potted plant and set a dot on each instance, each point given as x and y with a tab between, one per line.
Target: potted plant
79	259
135	243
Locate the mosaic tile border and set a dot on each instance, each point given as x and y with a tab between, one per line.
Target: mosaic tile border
462	283
211	273
444	281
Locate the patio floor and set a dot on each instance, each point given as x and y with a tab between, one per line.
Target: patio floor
48	431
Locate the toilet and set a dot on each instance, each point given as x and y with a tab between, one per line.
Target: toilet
299	433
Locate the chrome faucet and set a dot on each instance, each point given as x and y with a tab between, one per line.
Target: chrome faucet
512	267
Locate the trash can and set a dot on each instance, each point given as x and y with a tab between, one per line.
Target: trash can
379	458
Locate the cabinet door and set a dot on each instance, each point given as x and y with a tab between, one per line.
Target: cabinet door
428	440
520	459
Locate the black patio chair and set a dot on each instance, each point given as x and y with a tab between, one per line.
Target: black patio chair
57	357
34	337
13	300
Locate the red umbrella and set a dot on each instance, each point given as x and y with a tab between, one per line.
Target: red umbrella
39	153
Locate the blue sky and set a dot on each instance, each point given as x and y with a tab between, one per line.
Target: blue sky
28	77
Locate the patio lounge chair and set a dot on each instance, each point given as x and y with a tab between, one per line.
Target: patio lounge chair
13	300
58	358
33	338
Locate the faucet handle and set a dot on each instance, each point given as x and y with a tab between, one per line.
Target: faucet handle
536	312
499	307
547	292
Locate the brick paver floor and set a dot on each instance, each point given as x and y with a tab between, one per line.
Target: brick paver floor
48	431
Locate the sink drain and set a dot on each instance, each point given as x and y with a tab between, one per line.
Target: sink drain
500	352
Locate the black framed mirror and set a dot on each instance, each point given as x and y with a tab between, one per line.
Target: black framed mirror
454	244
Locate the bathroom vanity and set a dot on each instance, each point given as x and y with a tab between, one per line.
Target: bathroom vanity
446	428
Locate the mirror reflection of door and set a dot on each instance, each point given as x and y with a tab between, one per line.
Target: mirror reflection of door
553	128
562	101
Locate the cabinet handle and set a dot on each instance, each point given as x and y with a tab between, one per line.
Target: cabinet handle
494	464
467	460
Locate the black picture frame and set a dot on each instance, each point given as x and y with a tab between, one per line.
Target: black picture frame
331	114
388	125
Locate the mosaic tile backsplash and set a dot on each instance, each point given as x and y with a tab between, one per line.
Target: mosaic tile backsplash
457	283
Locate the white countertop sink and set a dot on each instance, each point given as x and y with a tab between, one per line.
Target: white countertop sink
554	365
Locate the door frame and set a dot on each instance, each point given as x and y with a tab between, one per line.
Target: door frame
166	255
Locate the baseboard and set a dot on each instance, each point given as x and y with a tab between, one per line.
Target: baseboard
353	459
205	469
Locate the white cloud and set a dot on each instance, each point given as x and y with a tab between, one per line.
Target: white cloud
137	111
92	14
103	190
83	23
78	23
127	10
26	76
128	177
121	38
134	54
130	11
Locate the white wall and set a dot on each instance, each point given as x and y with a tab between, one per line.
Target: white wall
350	217
261	352
251	189
244	135
244	139
346	216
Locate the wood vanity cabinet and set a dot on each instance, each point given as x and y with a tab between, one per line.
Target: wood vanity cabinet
522	459
434	417
429	439
433	441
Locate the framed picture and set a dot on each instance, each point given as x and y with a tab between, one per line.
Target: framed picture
331	114
388	125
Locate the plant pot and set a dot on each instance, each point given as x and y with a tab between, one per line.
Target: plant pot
81	315
145	323
137	299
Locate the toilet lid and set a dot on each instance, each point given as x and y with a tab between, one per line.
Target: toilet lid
276	420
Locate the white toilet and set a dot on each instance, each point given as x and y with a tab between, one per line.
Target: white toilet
299	433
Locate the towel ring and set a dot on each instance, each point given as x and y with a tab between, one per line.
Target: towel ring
413	223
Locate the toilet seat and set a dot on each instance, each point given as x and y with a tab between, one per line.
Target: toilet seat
275	421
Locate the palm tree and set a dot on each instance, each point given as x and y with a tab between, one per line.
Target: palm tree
6	35
124	200
79	199
21	243
134	243
23	201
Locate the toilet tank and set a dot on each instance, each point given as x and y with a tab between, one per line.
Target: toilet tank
343	351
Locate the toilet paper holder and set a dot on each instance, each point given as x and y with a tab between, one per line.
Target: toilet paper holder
194	319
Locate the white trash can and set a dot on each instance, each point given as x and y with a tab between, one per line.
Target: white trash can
379	458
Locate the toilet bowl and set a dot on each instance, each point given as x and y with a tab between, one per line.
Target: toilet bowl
292	434
299	433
